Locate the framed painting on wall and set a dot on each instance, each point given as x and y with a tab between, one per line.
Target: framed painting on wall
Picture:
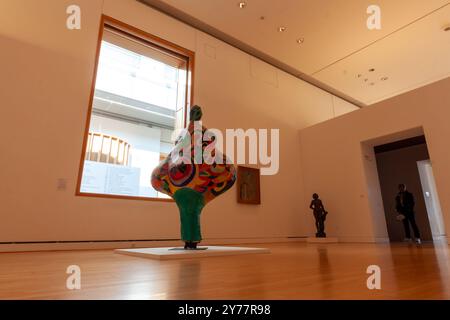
248	185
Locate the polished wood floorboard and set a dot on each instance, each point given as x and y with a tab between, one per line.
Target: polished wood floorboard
291	271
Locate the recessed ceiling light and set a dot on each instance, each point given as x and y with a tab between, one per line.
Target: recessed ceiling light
282	29
384	78
242	4
371	70
300	40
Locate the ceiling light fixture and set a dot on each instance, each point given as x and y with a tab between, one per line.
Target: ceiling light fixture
300	40
282	29
242	4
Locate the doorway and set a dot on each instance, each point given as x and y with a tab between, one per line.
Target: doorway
431	198
407	161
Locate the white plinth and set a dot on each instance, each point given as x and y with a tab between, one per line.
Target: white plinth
322	240
168	252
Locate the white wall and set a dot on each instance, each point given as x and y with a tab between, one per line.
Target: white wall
45	80
338	159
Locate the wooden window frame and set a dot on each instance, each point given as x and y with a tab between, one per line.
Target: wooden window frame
153	41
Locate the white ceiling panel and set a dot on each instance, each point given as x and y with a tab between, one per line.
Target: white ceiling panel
413	57
336	38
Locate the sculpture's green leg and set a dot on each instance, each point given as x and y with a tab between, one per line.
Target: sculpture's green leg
190	203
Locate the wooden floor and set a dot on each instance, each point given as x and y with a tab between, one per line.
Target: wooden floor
291	271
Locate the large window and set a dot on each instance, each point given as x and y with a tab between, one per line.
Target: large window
140	95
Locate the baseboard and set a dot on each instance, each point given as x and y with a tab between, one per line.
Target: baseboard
441	239
382	240
363	239
99	245
94	245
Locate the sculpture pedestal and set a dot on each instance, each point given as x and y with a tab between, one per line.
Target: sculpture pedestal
170	253
322	240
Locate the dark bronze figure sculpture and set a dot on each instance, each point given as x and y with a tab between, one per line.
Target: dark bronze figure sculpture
319	214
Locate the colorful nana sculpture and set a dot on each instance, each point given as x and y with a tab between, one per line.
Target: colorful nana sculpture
190	180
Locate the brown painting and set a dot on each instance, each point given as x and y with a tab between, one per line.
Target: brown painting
248	185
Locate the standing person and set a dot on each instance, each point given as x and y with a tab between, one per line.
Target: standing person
404	204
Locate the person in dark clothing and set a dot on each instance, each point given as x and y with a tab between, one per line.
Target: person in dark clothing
404	204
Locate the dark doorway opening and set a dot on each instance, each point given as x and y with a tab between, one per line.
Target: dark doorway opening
408	162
